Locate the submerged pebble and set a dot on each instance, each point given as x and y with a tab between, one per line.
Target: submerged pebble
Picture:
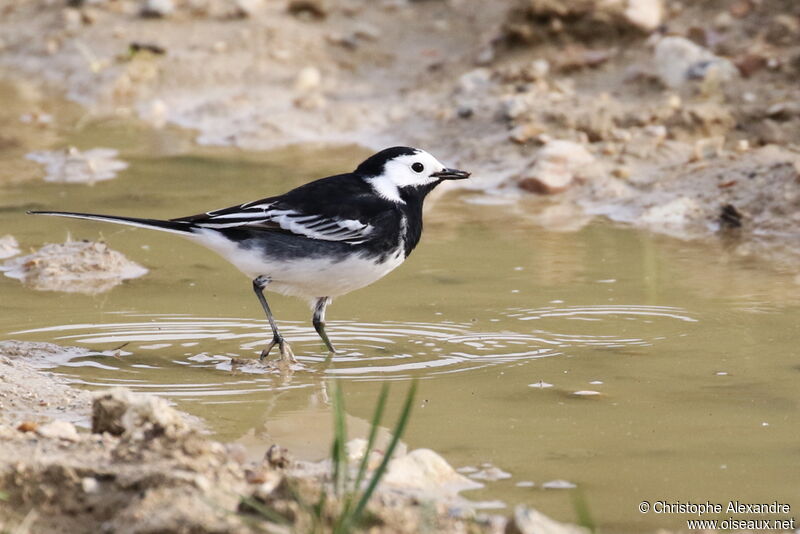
75	167
559	484
586	393
490	473
73	267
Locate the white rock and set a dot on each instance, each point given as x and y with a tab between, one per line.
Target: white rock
476	80
90	485
555	167
424	470
248	7
529	521
646	14
58	430
308	79
679	60
676	213
157	8
490	473
514	106
76	167
8	246
558	484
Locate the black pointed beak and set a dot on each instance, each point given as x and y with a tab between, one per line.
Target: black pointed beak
451	174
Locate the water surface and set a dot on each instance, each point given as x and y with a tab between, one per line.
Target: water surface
684	356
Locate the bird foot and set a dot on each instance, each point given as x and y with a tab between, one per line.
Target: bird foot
283	347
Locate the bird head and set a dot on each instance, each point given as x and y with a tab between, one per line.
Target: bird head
394	170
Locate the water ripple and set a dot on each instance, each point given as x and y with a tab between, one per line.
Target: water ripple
375	350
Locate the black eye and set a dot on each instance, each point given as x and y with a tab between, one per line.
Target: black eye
418	167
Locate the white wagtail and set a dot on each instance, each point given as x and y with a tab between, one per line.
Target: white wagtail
322	239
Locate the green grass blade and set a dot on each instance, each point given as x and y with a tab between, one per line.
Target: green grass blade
338	451
379	472
581	507
373	433
264	511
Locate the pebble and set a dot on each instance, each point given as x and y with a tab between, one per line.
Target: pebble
315	9
490	473
90	485
157	8
645	14
58	430
308	79
679	60
559	484
555	167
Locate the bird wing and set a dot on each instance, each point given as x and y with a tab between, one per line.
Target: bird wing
276	214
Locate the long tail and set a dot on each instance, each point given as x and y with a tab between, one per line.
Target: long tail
176	227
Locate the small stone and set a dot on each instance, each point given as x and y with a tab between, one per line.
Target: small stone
71	17
247	8
157	8
749	64
490	473
514	106
27	426
315	9
58	430
308	79
679	60
559	484
278	457
524	133
622	173
730	218
645	14
741	8
90	485
555	168
474	81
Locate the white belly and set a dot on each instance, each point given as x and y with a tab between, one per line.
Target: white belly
305	278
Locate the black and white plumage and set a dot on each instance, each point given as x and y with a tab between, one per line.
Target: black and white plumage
322	239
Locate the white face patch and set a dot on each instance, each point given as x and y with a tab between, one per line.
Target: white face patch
405	171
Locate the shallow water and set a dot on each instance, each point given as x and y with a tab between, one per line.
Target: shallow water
693	352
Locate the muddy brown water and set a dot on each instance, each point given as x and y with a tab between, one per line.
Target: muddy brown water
693	352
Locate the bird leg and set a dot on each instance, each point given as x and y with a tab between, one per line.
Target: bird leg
259	284
319	321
